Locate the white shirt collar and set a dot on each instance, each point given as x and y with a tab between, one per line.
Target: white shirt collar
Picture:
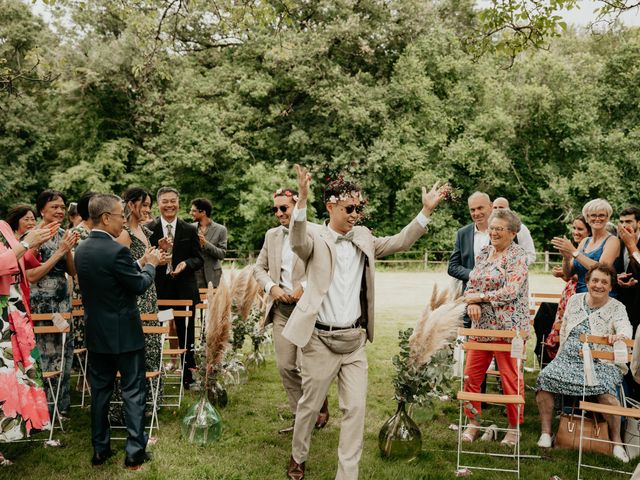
165	223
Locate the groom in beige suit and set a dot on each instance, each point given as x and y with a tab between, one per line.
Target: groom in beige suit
280	273
334	317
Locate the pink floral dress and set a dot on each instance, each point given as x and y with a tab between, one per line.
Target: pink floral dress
23	401
505	284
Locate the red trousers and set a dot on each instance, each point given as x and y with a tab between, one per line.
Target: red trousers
475	369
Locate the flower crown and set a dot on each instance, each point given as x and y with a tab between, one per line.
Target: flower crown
341	190
286	193
346	196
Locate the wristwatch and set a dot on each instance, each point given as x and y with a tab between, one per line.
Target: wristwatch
575	254
25	244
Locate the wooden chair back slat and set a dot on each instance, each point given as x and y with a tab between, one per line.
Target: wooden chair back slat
600	340
38	317
175	303
481	332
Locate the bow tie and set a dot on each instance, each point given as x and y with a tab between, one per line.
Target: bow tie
345	238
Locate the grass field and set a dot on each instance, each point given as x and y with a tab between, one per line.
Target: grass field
250	447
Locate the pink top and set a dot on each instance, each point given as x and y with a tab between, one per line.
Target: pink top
9	265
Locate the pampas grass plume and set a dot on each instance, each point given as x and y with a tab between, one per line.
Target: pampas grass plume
218	323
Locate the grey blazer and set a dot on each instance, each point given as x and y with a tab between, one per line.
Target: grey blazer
214	250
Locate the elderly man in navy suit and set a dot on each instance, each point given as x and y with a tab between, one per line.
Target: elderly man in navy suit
110	281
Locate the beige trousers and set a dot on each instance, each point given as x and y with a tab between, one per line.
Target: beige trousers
319	367
287	360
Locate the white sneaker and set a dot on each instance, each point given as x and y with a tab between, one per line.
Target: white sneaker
544	441
620	454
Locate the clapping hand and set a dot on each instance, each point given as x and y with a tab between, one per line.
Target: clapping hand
626	280
627	236
201	239
38	236
564	245
179	269
69	240
154	256
166	244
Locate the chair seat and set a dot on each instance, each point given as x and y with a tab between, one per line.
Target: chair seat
610	409
174	351
48	375
491	398
78	351
171	338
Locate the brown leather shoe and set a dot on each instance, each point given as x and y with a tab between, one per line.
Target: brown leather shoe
295	470
323	416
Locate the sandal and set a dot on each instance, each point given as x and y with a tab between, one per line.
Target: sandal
490	434
470	433
510	439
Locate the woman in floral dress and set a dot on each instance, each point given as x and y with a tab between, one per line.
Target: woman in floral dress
591	313
51	294
497	298
135	236
23	401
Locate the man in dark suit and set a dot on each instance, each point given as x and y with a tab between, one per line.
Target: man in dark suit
110	281
179	281
213	242
471	238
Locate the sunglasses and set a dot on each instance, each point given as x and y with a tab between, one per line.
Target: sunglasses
350	208
282	208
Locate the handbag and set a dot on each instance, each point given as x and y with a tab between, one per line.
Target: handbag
631	434
568	435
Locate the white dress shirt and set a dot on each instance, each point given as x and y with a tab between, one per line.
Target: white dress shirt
341	305
173	224
286	266
526	242
480	240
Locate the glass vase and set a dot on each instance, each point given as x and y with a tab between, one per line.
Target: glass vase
400	437
202	423
217	394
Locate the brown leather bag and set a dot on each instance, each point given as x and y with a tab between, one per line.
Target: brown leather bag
568	435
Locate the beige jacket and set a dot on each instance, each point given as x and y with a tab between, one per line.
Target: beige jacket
269	265
315	245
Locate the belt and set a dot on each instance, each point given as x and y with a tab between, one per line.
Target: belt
330	328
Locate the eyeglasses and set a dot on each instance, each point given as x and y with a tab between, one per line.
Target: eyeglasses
350	208
497	229
282	208
598	216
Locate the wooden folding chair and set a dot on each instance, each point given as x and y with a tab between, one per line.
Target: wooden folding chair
58	373
176	350
499	399
601	408
153	376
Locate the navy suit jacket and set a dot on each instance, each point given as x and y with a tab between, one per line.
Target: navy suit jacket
462	260
186	247
110	280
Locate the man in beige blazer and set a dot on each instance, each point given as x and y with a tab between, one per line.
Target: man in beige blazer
334	317
280	273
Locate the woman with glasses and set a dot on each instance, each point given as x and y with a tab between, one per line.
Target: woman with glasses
497	298
601	247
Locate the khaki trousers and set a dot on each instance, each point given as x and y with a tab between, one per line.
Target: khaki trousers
319	367
287	360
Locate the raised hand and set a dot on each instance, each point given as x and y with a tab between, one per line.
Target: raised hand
69	240
153	256
165	244
304	180
431	199
179	269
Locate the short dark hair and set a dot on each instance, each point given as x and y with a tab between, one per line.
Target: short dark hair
635	211
16	213
163	190
606	269
83	205
203	205
338	188
46	197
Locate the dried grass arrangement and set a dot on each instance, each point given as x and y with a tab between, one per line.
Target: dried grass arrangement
218	327
424	364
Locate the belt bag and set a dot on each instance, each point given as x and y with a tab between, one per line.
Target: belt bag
343	341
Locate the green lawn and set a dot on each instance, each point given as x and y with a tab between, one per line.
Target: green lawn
250	447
